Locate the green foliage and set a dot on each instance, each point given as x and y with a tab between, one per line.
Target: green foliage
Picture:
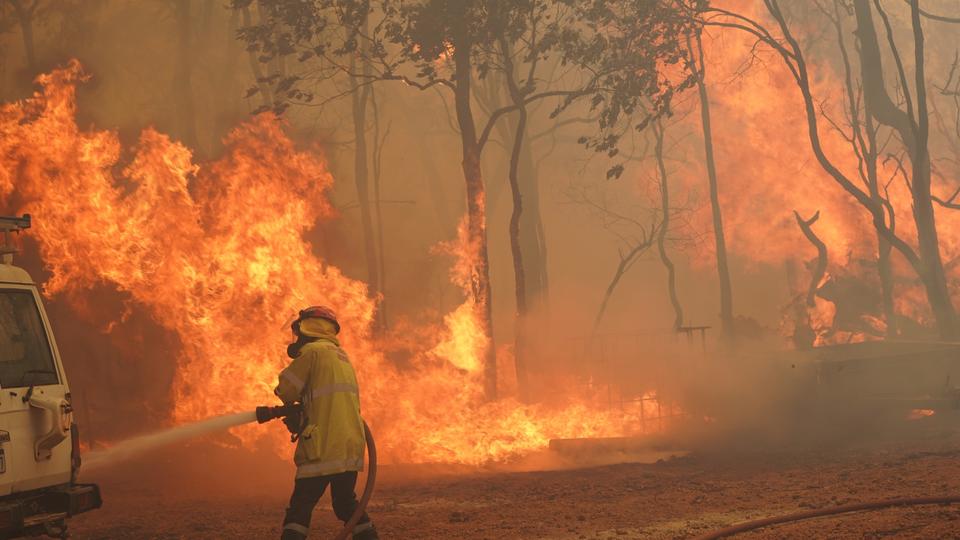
635	52
624	58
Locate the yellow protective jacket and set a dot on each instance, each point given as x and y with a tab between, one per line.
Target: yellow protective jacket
322	378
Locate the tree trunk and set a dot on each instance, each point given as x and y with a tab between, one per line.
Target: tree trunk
518	240
884	248
225	103
927	263
184	113
864	142
720	243
378	143
476	215
665	227
520	350
25	19
928	239
803	336
886	285
912	126
533	243
820	270
532	237
362	178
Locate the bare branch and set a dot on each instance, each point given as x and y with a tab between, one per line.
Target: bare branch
935	17
949	203
806	225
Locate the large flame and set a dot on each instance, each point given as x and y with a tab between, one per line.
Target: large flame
767	170
215	252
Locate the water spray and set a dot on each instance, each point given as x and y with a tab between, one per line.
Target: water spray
131	447
137	445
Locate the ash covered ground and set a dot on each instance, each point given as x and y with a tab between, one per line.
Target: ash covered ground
205	491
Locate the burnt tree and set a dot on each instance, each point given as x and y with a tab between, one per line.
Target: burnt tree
699	69
181	85
820	268
664	184
863	138
912	125
913	128
25	11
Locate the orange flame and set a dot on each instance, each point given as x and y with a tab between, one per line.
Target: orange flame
766	170
215	252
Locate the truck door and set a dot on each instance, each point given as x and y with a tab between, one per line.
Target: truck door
33	397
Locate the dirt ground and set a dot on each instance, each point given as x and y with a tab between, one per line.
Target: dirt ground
204	492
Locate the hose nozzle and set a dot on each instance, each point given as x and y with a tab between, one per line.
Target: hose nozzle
266	413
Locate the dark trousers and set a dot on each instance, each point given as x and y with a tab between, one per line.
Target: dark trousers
306	493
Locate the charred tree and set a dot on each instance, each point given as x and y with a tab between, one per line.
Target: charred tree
627	260
913	130
863	140
359	101
516	247
820	269
378	144
699	69
182	87
533	237
224	84
25	11
530	231
658	133
802	335
912	127
636	238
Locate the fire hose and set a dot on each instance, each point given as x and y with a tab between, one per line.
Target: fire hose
367	488
822	512
291	415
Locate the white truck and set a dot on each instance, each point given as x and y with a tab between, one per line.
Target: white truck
39	442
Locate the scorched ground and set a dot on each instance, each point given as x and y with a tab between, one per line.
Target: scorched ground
199	492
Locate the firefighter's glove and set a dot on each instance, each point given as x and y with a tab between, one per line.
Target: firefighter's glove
294	423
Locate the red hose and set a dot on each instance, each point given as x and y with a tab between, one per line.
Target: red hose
843	509
367	488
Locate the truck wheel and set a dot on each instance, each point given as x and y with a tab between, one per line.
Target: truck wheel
56	529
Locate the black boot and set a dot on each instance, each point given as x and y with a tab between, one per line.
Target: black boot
291	534
365	531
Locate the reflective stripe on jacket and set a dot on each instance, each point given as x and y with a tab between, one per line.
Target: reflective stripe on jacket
323	379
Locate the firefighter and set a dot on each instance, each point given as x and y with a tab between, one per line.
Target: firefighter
330	449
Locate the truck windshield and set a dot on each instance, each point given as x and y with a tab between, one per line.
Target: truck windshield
25	357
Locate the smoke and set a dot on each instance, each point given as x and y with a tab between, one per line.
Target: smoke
765	170
757	397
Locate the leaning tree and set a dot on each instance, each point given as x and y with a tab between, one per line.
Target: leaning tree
908	119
